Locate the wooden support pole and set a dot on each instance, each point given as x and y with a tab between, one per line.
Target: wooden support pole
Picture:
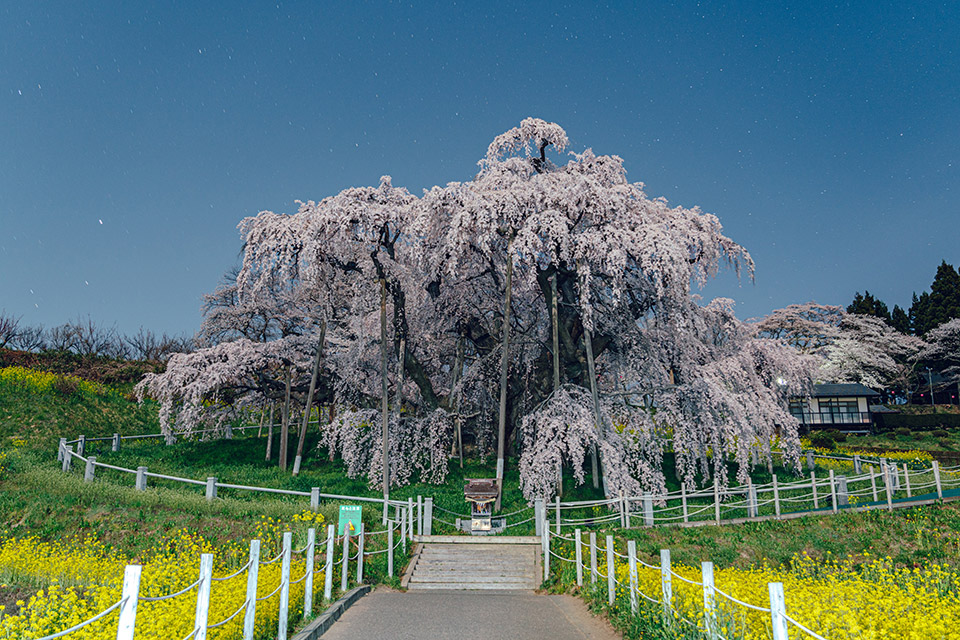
504	374
309	406
385	396
591	371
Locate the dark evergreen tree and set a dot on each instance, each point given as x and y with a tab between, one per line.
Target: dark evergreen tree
867	305
899	319
941	305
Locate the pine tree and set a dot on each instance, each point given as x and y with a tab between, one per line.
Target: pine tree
867	305
899	319
939	306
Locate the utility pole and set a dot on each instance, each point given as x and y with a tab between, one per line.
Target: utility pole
930	382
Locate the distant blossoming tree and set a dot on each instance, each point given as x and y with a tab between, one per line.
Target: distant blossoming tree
943	349
553	299
851	348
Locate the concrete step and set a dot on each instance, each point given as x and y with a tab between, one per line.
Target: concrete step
466	586
475	577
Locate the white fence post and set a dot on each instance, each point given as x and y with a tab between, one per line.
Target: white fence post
314	499
683	500
888	489
115	443
833	492
648	510
632	559
873	484
558	515
752	510
90	470
428	516
284	613
390	525
129	595
141	483
360	556
538	518
345	566
843	492
60	448
82	445
906	479
936	479
410	518
709	600
666	582
813	487
716	501
253	572
308	582
578	556
778	611
419	515
203	597
403	528
67	457
857	468
328	566
810	463
611	577
546	550
776	496
211	489
593	557
620	505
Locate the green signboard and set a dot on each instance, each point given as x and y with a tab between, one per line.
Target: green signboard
349	518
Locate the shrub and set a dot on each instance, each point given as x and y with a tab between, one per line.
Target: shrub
940	433
903	431
66	386
946	444
822	439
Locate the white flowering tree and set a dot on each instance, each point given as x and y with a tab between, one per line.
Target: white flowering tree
850	347
942	349
551	299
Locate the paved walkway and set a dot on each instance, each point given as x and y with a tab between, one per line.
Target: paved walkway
490	615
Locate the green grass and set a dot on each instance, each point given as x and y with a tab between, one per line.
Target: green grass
43	418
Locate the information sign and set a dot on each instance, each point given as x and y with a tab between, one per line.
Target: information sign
349	518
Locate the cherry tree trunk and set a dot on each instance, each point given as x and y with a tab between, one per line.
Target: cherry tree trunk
313	386
504	373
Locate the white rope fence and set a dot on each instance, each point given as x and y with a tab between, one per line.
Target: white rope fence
325	552
775	609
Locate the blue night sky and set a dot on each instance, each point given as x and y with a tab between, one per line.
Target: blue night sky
133	139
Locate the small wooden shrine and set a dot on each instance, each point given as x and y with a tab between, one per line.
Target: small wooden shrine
482	493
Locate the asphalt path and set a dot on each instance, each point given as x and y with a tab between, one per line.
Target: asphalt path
480	615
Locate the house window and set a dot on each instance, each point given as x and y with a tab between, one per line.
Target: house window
797	408
837	411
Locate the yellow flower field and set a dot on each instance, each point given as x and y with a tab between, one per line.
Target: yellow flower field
80	578
872	601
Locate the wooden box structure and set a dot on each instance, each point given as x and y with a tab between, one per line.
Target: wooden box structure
482	493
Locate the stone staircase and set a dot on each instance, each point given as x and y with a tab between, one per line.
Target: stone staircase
461	562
